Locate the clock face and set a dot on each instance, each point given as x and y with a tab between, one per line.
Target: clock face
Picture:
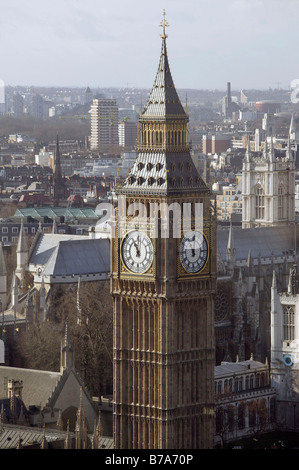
137	251
194	252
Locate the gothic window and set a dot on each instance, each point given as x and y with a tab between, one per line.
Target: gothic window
257	381
247	383
259	203
288	323
280	202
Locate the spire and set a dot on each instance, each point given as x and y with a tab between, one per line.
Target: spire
79	310
67	353
42	300
22	242
230	250
68	439
81	425
248	151
58	184
57	168
54	227
163	100
163	165
249	263
3	271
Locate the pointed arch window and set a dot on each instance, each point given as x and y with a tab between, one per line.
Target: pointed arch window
259	203
288	323
281	193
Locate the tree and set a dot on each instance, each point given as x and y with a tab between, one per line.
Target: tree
90	321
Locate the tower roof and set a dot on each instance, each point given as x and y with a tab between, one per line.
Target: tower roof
163	101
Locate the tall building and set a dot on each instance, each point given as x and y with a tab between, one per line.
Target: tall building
163	286
268	186
18	104
127	133
58	187
88	96
104	124
37	106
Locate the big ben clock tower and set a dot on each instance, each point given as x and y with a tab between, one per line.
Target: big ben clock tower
163	274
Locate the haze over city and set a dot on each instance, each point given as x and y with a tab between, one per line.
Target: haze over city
73	43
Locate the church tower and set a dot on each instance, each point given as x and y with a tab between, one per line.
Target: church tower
163	272
58	188
268	186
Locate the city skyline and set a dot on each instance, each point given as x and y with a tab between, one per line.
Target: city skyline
75	44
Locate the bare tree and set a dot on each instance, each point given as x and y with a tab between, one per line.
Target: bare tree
89	313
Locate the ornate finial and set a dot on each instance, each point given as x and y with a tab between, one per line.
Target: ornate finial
164	24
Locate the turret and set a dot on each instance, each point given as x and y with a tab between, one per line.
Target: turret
3	280
230	251
275	325
22	255
67	352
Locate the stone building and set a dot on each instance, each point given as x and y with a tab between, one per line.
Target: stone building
268	186
245	401
285	349
246	260
163	288
37	397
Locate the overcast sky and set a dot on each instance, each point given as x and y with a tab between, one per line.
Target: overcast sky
251	43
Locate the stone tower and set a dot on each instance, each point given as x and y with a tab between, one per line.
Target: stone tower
268	186
163	271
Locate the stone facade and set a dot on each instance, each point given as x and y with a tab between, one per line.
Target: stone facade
164	313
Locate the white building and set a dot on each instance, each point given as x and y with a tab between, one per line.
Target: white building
104	124
43	158
268	186
285	350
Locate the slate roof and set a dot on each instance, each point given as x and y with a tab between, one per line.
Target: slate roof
63	255
11	435
163	173
38	384
169	170
229	368
163	100
261	241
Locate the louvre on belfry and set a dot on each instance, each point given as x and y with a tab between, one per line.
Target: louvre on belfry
163	291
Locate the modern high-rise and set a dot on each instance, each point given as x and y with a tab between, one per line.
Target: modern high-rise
127	134
104	125
163	279
18	104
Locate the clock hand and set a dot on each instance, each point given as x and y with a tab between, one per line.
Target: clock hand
137	249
